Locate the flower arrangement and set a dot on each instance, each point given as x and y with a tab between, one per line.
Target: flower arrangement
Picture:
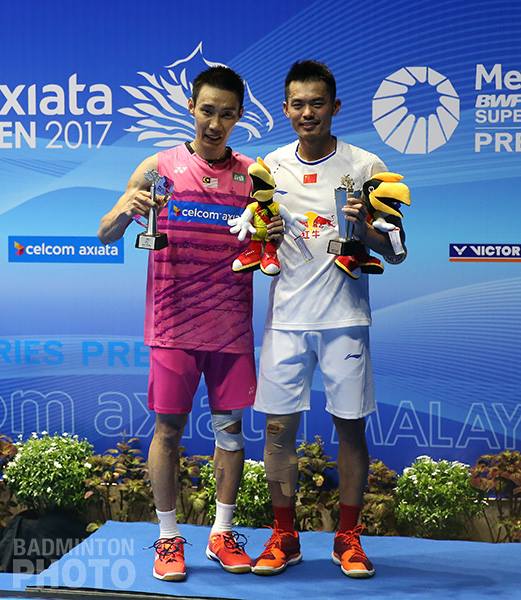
435	497
49	472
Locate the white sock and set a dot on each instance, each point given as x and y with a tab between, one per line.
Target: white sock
223	517
167	524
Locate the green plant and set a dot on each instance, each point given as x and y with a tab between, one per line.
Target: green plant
435	498
49	472
7	506
499	475
8	450
316	504
253	500
378	513
118	483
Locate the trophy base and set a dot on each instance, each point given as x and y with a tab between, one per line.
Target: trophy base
152	241
344	247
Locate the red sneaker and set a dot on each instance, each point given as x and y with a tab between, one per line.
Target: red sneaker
270	264
250	259
282	549
227	547
169	562
370	264
348	553
348	264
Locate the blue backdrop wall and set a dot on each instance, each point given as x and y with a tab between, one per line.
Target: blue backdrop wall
87	90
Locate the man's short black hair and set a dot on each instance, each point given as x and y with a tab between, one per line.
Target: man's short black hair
222	78
311	70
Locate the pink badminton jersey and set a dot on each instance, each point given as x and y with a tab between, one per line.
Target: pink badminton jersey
194	299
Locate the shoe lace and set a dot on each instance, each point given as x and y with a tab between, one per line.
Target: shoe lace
169	548
352	539
275	540
235	541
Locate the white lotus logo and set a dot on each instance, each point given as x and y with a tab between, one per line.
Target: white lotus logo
403	130
161	112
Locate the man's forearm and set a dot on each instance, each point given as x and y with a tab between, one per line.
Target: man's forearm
377	241
112	227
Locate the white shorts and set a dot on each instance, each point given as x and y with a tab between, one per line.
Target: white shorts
288	360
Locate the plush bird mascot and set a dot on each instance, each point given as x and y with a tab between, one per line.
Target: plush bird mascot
383	195
261	253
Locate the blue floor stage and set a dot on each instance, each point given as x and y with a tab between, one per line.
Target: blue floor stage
115	558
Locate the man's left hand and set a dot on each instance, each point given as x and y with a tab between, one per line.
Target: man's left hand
275	230
356	211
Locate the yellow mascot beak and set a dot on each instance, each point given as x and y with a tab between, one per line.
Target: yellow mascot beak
386	192
263	184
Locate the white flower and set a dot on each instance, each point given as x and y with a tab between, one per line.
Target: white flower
44	433
88	465
34	434
49	490
65	434
57	464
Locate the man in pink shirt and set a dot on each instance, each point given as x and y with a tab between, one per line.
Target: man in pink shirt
198	311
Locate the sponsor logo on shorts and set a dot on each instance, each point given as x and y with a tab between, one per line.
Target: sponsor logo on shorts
485	252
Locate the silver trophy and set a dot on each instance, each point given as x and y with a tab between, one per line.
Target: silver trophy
346	244
152	239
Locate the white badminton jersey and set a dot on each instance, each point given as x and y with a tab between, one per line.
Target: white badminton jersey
317	294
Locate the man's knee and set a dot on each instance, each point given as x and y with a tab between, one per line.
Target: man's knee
227	428
351	431
280	457
169	428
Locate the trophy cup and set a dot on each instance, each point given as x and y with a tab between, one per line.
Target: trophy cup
346	244
152	239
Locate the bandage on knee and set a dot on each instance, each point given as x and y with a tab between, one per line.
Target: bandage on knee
224	439
280	457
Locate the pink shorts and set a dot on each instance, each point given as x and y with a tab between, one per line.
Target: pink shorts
175	374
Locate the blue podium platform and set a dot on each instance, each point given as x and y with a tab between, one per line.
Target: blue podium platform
116	559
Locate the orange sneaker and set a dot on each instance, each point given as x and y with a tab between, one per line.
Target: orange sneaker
348	553
227	547
169	563
282	549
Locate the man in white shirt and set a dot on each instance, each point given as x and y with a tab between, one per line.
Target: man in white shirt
317	315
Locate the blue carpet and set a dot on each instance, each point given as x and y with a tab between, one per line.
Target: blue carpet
115	558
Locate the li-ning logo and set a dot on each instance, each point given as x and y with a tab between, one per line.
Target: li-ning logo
355	356
161	105
400	115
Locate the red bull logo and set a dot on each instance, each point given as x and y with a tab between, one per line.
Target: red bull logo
316	223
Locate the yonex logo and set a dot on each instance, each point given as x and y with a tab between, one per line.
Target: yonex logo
355	356
416	110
